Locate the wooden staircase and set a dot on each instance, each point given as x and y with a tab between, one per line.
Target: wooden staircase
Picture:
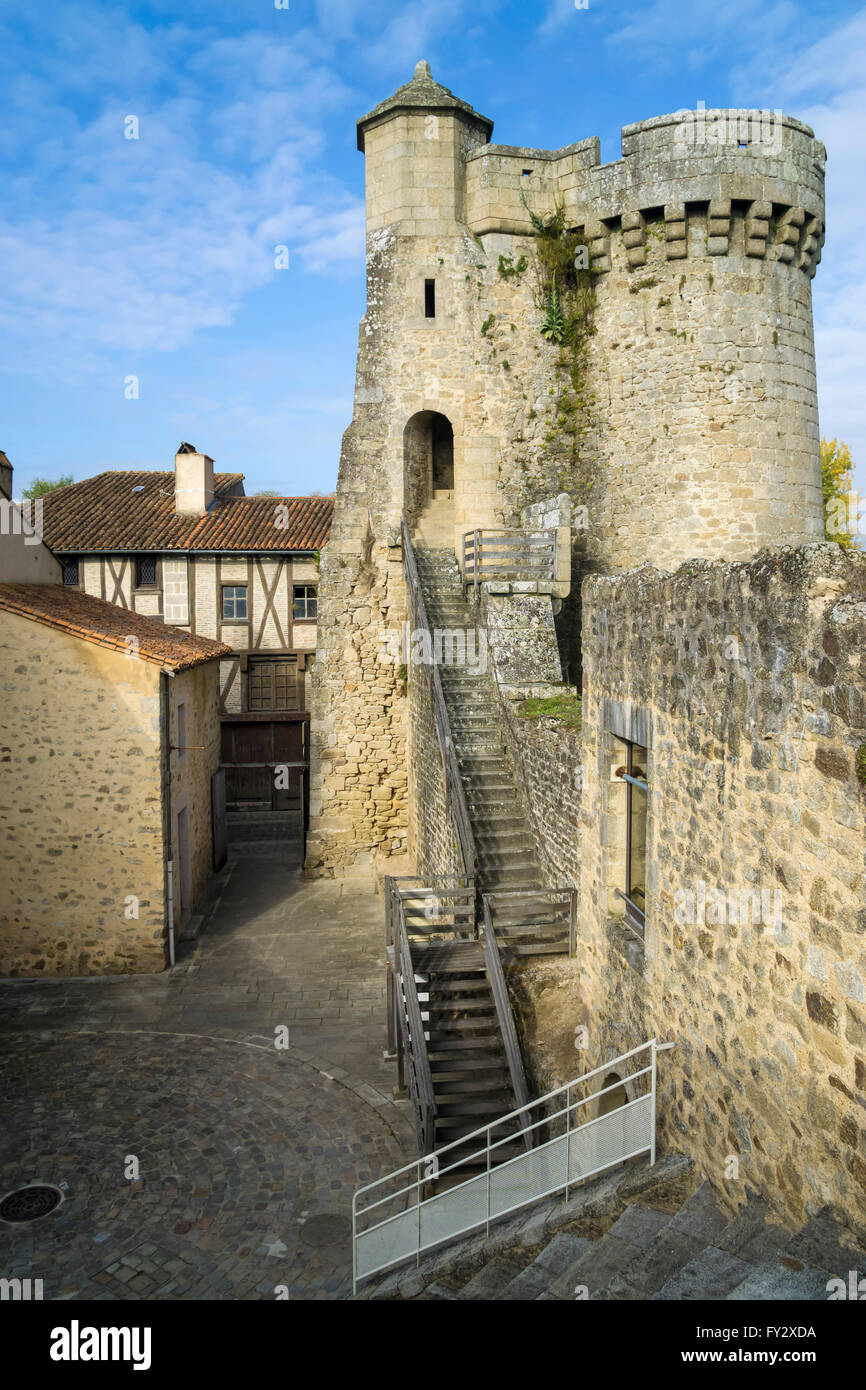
472	1082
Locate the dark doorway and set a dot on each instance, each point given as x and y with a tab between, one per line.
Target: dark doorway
443	454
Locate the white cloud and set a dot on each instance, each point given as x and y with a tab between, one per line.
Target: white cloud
125	246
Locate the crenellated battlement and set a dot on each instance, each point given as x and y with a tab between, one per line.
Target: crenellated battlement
706	168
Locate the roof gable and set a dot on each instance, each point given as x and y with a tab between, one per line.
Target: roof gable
135	511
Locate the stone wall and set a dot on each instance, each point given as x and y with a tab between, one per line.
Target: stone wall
358	753
750	681
433	846
80	807
548	759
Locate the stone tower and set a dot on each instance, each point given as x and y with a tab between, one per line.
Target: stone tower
694	432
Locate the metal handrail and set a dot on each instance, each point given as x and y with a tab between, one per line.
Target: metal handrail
455	795
524	1180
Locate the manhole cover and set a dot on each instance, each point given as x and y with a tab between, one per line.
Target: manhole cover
326	1230
29	1203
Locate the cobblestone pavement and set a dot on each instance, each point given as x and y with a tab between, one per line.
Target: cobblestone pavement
248	1154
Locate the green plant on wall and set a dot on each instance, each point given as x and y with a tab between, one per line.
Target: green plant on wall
566	301
554	326
861	763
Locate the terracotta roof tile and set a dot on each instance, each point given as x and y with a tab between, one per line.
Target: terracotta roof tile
106	513
94	620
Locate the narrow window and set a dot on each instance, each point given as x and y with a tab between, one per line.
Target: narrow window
527	173
181	730
305	602
145	572
234	602
634	773
70	572
430	298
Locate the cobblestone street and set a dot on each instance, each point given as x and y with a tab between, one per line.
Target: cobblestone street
248	1154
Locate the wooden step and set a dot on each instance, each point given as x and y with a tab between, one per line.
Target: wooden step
465	1068
485	1045
445	1027
460	1006
469	1107
452	986
456	1084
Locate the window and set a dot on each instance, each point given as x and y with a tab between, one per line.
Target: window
305	603
430	298
634	773
234	602
272	683
145	572
181	730
70	572
527	174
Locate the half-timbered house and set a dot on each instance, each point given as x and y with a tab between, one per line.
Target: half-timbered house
191	548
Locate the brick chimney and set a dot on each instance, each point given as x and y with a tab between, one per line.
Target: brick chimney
193	482
5	476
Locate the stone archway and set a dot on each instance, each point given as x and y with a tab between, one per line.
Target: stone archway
614	1099
428	461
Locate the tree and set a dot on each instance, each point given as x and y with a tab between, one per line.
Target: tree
840	502
40	486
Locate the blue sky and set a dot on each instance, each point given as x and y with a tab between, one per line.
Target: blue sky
155	257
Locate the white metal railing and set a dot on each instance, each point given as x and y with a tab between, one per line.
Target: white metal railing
420	1213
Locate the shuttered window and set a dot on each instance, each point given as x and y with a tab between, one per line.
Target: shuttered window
272	683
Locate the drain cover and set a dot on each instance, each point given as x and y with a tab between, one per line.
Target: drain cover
29	1203
326	1229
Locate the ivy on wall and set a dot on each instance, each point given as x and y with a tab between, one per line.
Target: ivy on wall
566	300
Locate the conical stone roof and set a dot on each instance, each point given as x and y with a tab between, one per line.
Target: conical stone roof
425	94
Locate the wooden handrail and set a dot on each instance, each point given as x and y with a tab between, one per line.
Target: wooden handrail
565	897
499	990
499	552
412	1031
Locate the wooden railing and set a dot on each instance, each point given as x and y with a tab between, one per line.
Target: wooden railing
436	905
414	1064
455	795
553	908
502	554
499	990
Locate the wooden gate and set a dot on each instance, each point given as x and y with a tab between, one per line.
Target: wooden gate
265	763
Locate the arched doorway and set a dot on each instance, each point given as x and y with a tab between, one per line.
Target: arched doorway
428	461
613	1099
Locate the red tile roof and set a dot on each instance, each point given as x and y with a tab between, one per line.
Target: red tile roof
94	620
105	513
